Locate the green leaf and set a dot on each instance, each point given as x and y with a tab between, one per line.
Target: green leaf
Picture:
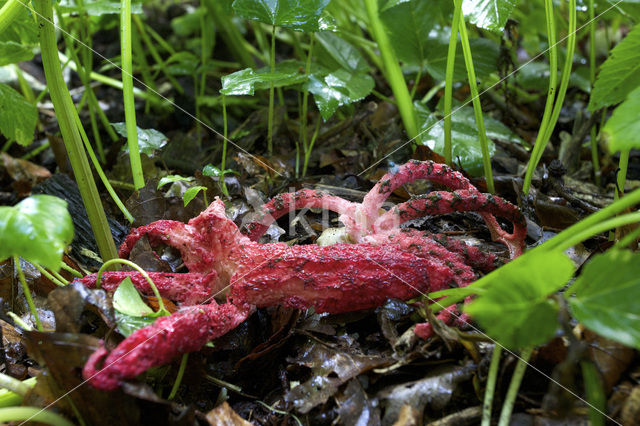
619	74
483	51
516	309
191	193
127	300
337	89
488	14
212	171
408	25
17	116
37	229
623	128
149	140
302	15
464	133
127	324
173	178
101	7
12	52
247	81
334	53
607	294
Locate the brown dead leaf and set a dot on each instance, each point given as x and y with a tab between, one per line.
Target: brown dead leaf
223	415
24	174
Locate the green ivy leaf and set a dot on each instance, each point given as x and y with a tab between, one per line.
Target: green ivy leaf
607	294
246	81
37	229
409	25
619	74
127	300
191	193
149	140
302	15
173	178
491	15
337	89
516	309
17	116
466	146
623	128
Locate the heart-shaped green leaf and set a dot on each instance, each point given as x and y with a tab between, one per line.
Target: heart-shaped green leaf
37	229
127	300
607	294
149	140
191	193
516	309
303	15
247	81
337	89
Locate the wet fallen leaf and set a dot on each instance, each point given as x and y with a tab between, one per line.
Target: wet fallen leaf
223	415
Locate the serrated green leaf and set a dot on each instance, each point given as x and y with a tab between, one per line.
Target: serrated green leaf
37	229
491	15
622	130
516	309
12	52
302	15
191	193
408	26
607	294
127	324
149	140
17	116
619	74
337	89
464	134
247	81
173	178
127	300
333	52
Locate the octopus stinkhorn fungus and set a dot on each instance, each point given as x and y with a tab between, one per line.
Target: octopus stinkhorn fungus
384	261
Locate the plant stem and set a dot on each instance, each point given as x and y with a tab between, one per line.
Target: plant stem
70	270
475	98
176	384
491	385
103	177
546	128
8	13
65	113
594	392
156	293
35	414
392	69
27	293
307	154
50	277
272	65
14	385
127	93
512	393
305	101
223	161
592	77
448	85
229	32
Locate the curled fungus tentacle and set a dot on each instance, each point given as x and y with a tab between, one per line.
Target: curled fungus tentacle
386	261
